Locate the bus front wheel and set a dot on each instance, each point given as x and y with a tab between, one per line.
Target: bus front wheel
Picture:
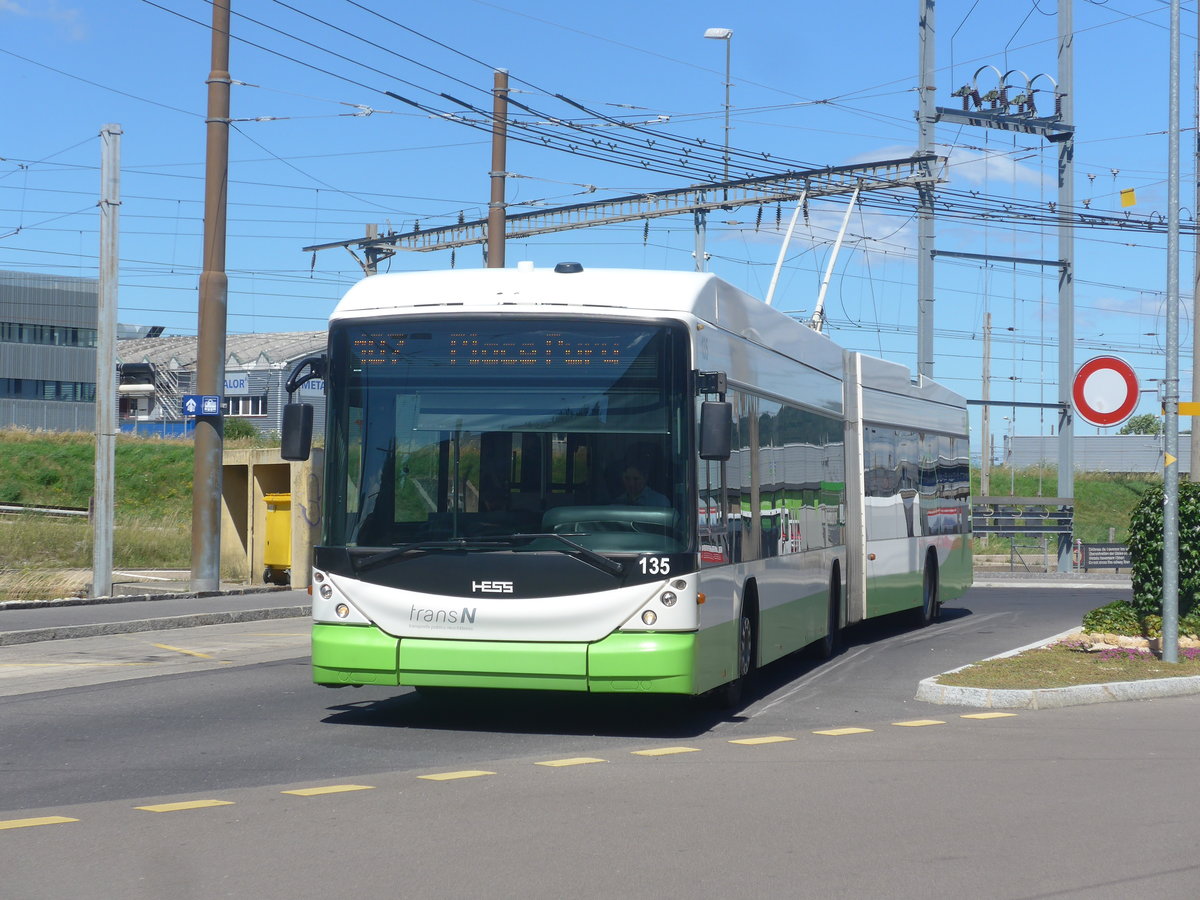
730	694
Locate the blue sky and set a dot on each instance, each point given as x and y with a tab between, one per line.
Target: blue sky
319	149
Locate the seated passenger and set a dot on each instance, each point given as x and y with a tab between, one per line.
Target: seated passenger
636	492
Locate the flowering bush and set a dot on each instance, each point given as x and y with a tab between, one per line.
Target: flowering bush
1125	653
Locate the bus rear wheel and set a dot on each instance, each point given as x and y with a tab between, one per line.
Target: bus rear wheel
829	645
931	606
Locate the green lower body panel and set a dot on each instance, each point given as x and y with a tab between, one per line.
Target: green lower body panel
893	593
353	654
632	663
643	663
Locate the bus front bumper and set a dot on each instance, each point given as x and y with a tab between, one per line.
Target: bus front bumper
620	663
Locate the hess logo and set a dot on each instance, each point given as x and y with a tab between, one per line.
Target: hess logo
492	587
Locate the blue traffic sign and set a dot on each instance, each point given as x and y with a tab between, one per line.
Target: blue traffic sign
201	405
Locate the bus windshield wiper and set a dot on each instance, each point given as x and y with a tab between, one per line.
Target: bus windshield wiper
386	556
603	563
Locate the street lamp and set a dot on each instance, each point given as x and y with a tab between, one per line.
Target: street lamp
726	35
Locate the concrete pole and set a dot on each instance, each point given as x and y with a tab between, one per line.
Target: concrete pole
985	462
926	116
1066	277
104	491
728	46
1195	438
496	208
209	434
1170	611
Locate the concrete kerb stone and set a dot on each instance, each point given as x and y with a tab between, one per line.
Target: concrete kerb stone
134	598
930	691
163	623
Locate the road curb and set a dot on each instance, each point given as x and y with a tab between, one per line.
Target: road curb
930	691
1048	583
1056	698
134	598
162	623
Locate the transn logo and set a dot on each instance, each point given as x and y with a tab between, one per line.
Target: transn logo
492	587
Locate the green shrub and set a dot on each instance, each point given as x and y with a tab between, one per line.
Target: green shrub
1146	549
1118	617
1189	625
239	428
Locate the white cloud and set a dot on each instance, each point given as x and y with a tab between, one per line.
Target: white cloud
993	169
69	19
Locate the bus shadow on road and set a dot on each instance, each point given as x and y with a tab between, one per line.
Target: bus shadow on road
785	672
535	712
613	715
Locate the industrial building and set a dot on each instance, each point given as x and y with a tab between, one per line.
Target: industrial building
48	351
1126	453
48	365
156	372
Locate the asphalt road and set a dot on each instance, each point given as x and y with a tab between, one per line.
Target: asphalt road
228	774
195	709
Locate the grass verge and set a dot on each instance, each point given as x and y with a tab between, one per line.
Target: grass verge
1059	665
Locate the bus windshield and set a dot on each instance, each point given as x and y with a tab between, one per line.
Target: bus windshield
486	428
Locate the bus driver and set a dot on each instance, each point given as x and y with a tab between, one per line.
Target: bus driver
636	492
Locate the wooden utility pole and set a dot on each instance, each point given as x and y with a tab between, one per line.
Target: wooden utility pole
104	493
496	208
209	434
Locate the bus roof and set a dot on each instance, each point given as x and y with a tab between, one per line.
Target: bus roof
623	292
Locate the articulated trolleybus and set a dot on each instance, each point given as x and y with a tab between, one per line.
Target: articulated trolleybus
613	481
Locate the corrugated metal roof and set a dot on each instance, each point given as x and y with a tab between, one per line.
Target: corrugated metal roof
242	351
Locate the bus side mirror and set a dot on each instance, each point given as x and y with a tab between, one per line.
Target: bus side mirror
297	429
716	426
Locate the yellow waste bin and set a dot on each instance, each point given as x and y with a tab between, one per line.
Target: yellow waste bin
277	548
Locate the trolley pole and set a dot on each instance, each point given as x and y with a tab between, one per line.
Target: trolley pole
496	208
209	435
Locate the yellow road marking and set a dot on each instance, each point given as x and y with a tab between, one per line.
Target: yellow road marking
31	823
666	751
330	789
988	715
450	776
919	723
762	740
841	731
574	761
189	804
181	650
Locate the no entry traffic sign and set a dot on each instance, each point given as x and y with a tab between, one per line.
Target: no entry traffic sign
1105	391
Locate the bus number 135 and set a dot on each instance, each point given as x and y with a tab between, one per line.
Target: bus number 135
655	565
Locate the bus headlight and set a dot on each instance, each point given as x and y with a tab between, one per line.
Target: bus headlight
326	591
668	598
342	610
649	617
